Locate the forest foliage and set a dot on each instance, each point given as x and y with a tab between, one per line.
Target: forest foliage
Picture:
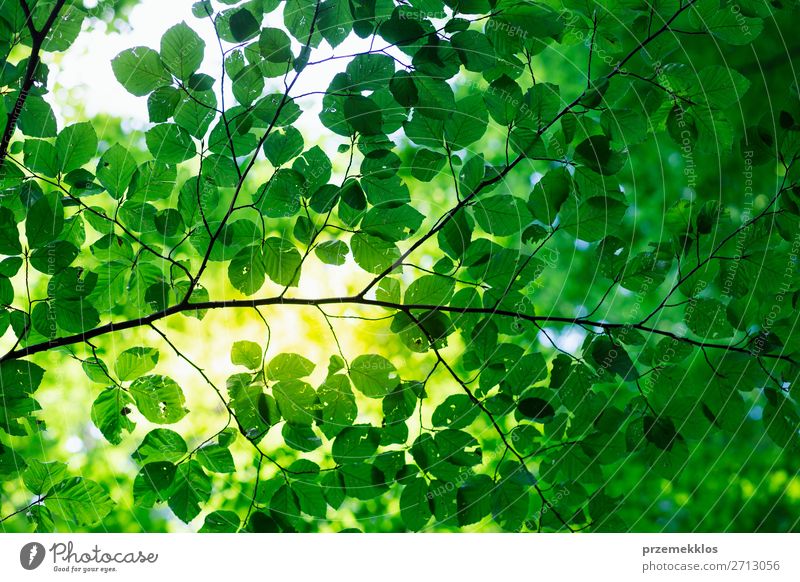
575	223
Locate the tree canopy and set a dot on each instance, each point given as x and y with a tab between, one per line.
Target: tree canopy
513	265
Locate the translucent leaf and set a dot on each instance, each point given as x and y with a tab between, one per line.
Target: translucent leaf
289	366
372	253
297	401
414	507
221	522
190	489
373	375
159	399
169	143
79	501
182	50
216	458
135	362
247	354
39	477
110	412
140	70
115	170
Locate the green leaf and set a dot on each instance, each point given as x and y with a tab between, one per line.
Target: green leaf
216	458
159	399
6	291
503	100
729	25
248	84
661	432
115	170
41	516
243	24
246	271
502	214
456	412
297	401
76	145
227	436
9	234
392	223
170	143
315	167
334	21
288	367
11	462
427	164
79	501
549	194
182	50
436	99
707	318
363	115
373	375
536	408
611	356
355	444
221	522
37	118
592	219
283	145
160	444
281	261
75	315
19	378
362	481
41	157
596	153
401	403
10	266
339	408
370	72
135	362
511	499
65	29
332	252
280	197
255	410
474	50
39	477
474	499
467	124
140	70
45	220
110	412
195	112
190	489
247	354
430	290
373	254
380	164
300	437
162	102
275	45
153	483
312	500
260	522
717	86
299	16
403	89
414	505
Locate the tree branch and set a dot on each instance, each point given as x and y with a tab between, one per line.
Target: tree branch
448	216
37	39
